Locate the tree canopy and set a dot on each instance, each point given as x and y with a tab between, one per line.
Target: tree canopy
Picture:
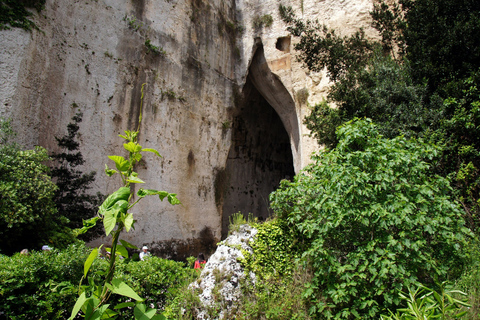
373	220
28	217
419	80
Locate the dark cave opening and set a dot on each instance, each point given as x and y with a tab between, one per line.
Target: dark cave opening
259	158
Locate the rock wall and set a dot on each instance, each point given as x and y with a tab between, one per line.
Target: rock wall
206	107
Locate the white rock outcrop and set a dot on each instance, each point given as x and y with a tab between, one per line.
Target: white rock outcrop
224	273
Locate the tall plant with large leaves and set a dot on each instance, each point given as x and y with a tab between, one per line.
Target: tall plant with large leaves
374	220
115	215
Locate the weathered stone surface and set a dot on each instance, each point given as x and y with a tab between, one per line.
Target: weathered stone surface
224	273
211	76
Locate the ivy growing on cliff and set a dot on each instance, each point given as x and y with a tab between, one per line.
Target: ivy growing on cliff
18	13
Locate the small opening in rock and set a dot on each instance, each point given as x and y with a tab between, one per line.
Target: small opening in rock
283	44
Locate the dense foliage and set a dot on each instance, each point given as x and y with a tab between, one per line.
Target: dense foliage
279	277
383	92
422	83
320	47
71	197
40	285
44	284
375	220
28	217
442	39
460	134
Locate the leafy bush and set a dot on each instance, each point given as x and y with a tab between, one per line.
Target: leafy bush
425	303
274	293
469	282
374	219
275	251
41	285
157	280
27	212
44	284
384	92
279	279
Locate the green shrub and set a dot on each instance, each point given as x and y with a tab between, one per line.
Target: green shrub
275	251
28	217
41	285
277	292
374	219
157	280
44	284
425	303
469	282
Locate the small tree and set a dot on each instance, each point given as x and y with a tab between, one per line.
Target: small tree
374	220
71	197
28	217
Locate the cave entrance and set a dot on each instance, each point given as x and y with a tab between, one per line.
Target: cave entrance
260	155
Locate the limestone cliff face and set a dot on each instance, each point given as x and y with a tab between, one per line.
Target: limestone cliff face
223	100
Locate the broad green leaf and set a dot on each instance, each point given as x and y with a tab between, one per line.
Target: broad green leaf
108	313
152	150
110	220
122	251
89	307
150	192
89	261
142	313
132	147
121	206
78	305
87	224
172	198
124	305
121	288
120	162
162	194
134	179
110	172
137	157
128	244
129	221
123	193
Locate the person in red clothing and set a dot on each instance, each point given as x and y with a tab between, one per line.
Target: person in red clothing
200	262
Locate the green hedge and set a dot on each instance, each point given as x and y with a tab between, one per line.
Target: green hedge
43	285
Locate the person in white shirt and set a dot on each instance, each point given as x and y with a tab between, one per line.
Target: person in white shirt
144	254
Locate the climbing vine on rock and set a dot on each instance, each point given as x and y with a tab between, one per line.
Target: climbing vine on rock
17	13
